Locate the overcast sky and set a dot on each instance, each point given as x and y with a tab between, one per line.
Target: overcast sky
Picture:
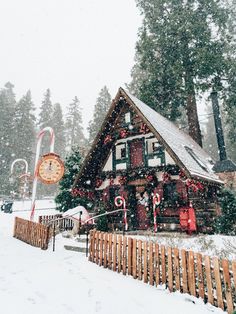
73	47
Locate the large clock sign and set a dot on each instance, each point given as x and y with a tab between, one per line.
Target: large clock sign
50	168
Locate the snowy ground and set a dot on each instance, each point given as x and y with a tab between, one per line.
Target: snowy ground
62	282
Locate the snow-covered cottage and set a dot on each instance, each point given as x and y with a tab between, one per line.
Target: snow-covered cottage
142	156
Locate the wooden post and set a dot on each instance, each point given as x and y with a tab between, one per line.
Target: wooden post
140	269
97	247
110	251
115	252
124	255
176	269
170	271
163	265
119	254
145	262
200	277
218	283
234	272
184	271
191	274
157	264
151	264
134	258
101	249
105	250
209	280
130	243
227	282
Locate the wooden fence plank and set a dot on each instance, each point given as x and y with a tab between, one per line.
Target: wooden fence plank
130	242
101	248
234	272
170	271
145	262
227	283
157	264
191	273
124	263
151	264
200	277
209	293
140	269
218	283
105	250
163	264
184	271
134	258
97	247
176	269
110	251
119	253
114	252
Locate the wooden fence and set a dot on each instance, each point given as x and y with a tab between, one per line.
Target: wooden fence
211	279
32	233
61	224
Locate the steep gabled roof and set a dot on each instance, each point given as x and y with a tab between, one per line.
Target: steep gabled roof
181	147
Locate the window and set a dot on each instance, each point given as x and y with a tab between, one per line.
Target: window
120	151
156	147
127	117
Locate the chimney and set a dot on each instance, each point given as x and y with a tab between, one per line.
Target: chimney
225	168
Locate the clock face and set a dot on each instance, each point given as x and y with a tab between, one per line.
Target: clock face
50	169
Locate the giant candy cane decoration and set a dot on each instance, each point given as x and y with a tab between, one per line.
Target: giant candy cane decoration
156	201
39	141
119	201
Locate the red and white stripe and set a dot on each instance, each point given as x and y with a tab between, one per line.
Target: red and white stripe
39	141
156	201
119	201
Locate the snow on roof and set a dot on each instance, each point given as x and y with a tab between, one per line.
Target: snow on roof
193	157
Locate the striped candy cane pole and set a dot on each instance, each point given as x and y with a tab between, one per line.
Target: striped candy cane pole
39	141
156	201
119	201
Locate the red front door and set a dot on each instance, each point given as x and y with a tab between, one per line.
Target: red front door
136	154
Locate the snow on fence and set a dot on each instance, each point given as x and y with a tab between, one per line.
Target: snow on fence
32	233
62	224
208	278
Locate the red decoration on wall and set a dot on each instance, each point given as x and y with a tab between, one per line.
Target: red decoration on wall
150	177
107	139
111	181
82	193
182	175
166	177
194	185
122	180
98	182
124	133
144	128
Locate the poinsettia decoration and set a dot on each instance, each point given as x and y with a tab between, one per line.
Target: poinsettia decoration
144	128
82	193
124	133
195	186
166	177
182	175
98	182
108	139
122	180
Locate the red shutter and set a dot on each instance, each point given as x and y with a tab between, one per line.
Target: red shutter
136	153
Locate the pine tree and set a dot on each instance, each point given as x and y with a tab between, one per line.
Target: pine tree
64	199
45	120
226	223
101	108
7	135
178	55
59	130
24	124
74	129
